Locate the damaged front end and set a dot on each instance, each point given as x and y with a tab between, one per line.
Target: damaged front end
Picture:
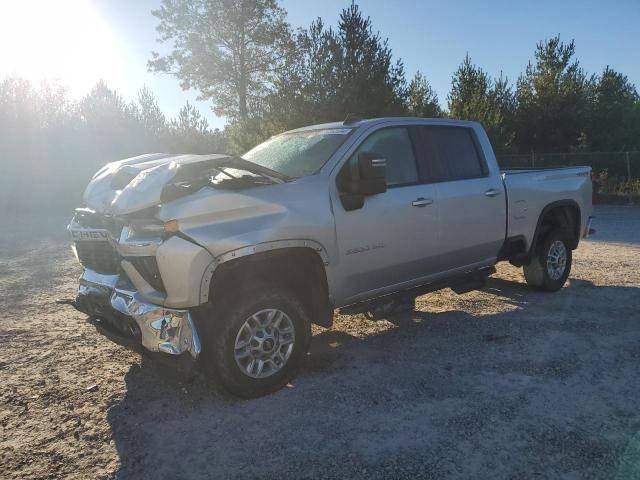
117	310
129	314
137	183
143	278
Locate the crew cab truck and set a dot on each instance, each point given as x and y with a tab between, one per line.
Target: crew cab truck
227	261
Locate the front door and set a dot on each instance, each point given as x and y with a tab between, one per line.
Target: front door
391	242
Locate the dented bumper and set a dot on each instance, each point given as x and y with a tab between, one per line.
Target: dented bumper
118	311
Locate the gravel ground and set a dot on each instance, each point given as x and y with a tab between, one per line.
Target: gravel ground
499	383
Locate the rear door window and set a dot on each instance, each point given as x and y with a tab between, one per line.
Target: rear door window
448	153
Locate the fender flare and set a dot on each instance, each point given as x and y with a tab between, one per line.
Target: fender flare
241	252
547	209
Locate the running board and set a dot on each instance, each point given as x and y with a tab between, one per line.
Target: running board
395	302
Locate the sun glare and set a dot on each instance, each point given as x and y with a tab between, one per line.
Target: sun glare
64	41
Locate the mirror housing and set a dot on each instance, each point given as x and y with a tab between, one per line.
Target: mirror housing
373	174
371	178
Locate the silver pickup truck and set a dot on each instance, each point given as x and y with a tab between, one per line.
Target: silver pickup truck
229	260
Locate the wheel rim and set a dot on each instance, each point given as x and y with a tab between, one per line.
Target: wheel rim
556	260
264	343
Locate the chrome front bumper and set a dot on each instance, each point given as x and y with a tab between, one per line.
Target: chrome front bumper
118	308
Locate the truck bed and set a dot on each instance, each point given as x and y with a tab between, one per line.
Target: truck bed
531	190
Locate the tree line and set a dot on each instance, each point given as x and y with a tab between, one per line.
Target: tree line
265	78
51	145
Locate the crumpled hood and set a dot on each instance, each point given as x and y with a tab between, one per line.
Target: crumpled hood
137	183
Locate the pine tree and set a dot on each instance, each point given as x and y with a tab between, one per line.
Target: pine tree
422	100
370	82
469	97
335	73
475	96
226	49
190	133
109	123
554	98
153	121
615	124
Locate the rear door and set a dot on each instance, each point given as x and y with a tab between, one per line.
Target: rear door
471	203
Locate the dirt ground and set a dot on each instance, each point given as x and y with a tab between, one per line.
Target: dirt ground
499	383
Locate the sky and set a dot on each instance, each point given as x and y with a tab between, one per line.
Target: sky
78	42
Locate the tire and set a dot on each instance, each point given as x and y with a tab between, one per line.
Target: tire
547	271
250	318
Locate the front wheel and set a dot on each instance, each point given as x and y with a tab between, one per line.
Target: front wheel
550	266
260	343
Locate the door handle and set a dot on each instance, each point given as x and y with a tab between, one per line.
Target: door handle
422	202
492	192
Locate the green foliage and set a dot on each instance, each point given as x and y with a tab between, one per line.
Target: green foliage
553	96
242	135
307	88
334	73
370	83
190	132
557	106
615	114
469	97
50	146
475	96
149	115
324	76
242	55
107	123
226	49
422	100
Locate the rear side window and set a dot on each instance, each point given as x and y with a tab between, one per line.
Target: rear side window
448	153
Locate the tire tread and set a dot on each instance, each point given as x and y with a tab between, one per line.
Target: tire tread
220	361
535	273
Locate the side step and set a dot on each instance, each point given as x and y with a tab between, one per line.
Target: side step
392	307
392	303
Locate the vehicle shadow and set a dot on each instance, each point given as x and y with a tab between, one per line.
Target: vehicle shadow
169	427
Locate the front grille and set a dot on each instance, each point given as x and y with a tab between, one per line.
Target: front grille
148	268
90	219
98	256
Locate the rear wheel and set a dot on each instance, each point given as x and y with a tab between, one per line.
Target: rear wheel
260	342
551	264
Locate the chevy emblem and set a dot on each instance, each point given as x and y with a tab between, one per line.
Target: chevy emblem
90	235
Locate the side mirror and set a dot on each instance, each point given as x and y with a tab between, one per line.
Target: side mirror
370	178
373	174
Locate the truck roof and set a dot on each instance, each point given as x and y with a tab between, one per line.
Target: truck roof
373	121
